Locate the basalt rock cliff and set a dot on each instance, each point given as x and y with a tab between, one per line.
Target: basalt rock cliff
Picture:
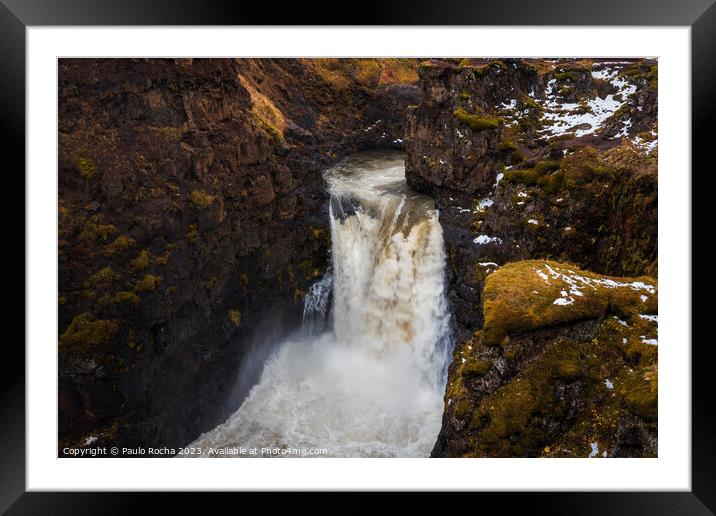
555	161
191	221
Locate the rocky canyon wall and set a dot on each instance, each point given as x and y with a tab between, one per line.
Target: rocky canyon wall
192	220
551	160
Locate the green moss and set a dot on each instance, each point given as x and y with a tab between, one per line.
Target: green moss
519	418
525	176
552	183
201	199
148	283
120	244
84	333
639	391
644	73
209	283
163	259
511	305
101	278
235	317
496	63
319	233
476	123
531	176
86	167
192	233
507	145
527	124
585	166
576	170
141	262
310	270
126	297
94	230
530	103
571	74
575	388
475	367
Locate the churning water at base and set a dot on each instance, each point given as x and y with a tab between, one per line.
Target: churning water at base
371	383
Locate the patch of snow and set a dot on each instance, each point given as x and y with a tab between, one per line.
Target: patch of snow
595	450
651	342
624	131
89	440
485	203
543	276
648	317
563	301
563	117
484	239
574	284
647	145
532	221
372	126
608	383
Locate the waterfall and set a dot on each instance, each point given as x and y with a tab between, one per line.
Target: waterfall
371	384
316	304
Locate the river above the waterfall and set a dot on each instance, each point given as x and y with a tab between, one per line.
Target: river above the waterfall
367	379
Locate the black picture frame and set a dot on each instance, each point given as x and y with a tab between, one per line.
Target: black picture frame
700	15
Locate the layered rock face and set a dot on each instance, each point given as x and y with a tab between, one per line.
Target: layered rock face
192	219
548	159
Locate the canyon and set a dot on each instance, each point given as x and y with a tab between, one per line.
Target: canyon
198	233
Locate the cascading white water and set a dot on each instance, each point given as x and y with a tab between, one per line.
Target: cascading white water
372	385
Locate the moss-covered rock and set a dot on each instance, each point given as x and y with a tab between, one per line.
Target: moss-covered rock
475	122
121	243
84	333
141	262
235	317
86	167
201	199
572	378
148	283
533	294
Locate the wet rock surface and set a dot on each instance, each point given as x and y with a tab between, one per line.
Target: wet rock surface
192	220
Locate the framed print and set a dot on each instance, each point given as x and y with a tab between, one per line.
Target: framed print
423	252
